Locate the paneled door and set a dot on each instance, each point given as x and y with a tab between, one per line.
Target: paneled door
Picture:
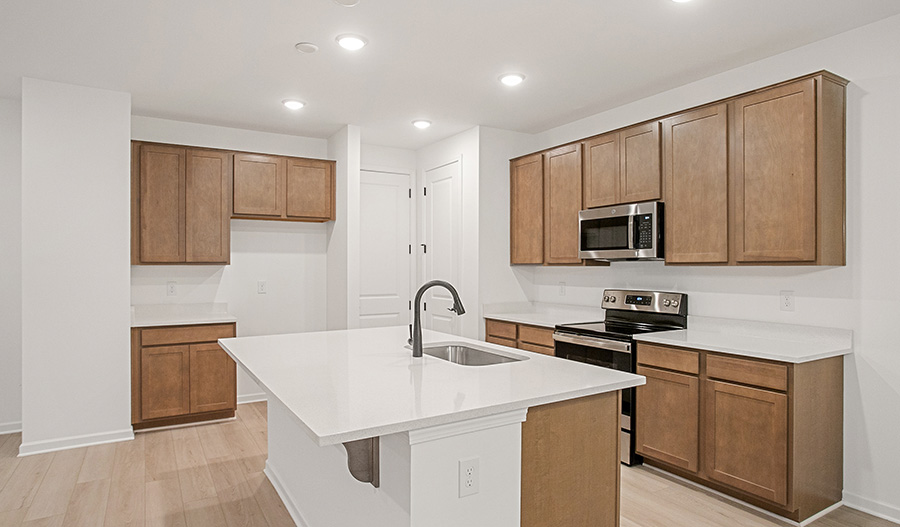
443	189
385	248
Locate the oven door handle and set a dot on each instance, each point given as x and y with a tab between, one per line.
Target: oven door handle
593	342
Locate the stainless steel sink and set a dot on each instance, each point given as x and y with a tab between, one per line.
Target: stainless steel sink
468	356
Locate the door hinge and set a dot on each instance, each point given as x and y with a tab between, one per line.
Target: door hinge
410	193
410	249
410	305
424	248
425	191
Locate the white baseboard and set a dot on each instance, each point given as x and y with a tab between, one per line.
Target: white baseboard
285	497
251	398
10	428
882	510
53	445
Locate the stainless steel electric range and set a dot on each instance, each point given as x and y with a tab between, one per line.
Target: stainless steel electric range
610	344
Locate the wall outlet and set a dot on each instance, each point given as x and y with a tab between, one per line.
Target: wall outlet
261	287
171	290
786	300
469	474
562	289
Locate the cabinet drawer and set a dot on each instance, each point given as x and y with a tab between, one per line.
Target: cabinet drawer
501	341
537	349
745	371
535	335
186	334
504	330
668	358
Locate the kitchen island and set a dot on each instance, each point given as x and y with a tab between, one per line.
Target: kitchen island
440	443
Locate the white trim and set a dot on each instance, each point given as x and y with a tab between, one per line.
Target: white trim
875	508
53	445
289	504
10	428
754	508
252	398
185	425
434	433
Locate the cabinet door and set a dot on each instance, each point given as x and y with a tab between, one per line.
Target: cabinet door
165	381
601	171
775	174
213	375
310	189
207	206
162	173
695	164
747	439
526	210
259	185
639	175
667	418
562	201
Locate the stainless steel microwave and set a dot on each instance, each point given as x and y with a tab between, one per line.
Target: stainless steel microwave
633	231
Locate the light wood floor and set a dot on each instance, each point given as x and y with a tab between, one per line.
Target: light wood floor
211	475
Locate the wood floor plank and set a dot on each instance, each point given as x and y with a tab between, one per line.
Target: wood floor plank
227	472
159	456
52	521
204	513
269	502
12	518
125	505
243	447
214	444
23	484
52	497
163	504
196	484
241	508
87	508
98	463
188	449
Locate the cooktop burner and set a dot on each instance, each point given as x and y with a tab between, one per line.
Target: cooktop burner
608	328
630	313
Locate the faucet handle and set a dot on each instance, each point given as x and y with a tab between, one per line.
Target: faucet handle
409	340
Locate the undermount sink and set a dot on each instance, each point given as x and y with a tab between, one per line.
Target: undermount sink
468	356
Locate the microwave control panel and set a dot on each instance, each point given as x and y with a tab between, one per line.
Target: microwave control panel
643	231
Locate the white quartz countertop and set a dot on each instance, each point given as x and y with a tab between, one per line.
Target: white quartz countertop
547	315
761	340
354	384
149	315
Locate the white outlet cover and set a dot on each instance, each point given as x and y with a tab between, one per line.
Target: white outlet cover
469	474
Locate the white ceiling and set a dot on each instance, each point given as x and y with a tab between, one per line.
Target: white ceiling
231	62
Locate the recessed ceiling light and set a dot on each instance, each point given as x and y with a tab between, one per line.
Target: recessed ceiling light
421	124
306	47
347	3
293	104
512	79
352	42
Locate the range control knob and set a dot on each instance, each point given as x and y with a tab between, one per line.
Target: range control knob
667	302
606	298
674	303
612	299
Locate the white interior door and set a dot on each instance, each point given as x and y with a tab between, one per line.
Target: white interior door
443	192
385	250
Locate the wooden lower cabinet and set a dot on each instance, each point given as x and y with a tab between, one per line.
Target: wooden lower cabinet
769	433
570	463
181	375
521	336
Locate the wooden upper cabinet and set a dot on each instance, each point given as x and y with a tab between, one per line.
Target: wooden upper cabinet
601	171
775	174
259	185
310	189
562	202
181	205
283	188
695	167
526	210
208	206
639	176
161	204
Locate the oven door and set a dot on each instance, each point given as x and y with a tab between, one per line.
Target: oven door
606	353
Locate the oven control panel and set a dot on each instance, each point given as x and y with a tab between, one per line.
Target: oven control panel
651	301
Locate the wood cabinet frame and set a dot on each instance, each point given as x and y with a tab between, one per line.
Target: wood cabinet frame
287	196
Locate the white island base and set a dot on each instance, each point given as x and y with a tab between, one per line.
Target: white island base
419	475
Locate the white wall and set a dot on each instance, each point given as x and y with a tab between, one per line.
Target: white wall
75	254
10	266
465	146
381	157
343	233
289	256
862	296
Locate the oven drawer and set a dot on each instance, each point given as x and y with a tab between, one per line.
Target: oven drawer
769	375
667	358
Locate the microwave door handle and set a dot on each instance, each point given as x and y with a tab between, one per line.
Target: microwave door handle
631	231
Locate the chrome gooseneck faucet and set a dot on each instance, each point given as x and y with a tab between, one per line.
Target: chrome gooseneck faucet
416	336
